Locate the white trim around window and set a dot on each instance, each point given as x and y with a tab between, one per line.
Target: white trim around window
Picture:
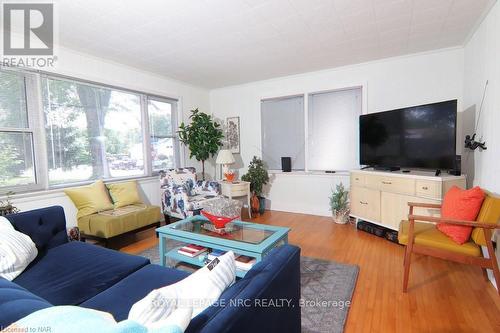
36	127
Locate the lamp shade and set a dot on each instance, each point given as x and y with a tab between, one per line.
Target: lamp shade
225	157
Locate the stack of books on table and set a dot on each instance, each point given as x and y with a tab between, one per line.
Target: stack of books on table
244	263
214	254
192	250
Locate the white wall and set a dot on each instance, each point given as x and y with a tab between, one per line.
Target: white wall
482	62
104	71
388	84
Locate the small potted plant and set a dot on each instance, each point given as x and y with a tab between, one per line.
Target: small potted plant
339	204
6	206
258	177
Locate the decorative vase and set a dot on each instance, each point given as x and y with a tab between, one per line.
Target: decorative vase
255	204
230	176
262	205
340	217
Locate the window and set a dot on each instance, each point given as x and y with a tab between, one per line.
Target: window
333	130
282	121
17	166
91	132
81	132
162	131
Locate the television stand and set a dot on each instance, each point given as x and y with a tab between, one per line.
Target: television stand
382	197
381	168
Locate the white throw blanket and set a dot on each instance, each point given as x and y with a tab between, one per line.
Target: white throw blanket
17	250
197	292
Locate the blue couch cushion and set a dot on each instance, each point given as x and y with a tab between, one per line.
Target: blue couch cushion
16	303
276	277
118	299
71	273
45	226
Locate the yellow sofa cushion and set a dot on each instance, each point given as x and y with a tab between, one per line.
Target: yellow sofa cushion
427	234
107	225
489	213
124	194
89	199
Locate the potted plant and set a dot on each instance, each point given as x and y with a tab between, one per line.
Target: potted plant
203	136
258	177
339	204
6	206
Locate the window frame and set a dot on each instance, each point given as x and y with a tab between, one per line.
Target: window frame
31	95
35	113
304	114
175	124
308	111
306	98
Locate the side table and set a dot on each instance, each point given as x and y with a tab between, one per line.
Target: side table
237	189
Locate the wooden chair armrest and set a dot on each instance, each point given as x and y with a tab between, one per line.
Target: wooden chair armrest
452	221
424	205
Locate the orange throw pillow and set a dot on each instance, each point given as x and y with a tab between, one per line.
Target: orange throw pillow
460	204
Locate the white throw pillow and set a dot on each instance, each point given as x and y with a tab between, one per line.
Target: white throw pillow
17	250
197	291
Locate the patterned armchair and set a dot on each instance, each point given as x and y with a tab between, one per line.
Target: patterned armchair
182	195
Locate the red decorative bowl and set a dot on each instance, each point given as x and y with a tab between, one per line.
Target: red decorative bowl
218	221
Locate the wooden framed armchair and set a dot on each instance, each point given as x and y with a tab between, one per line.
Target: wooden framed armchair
425	238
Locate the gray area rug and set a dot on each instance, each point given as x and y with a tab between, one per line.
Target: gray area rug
327	289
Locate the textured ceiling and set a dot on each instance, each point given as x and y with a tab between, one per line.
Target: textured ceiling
214	43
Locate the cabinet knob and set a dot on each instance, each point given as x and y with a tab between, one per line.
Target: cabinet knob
425	188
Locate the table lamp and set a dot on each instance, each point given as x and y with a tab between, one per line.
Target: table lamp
225	157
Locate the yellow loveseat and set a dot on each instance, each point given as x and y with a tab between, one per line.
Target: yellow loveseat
107	211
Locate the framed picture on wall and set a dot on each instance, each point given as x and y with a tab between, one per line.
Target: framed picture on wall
233	134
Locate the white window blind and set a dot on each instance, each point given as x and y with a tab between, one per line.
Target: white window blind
333	129
283	128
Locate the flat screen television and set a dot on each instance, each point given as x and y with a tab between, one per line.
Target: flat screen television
415	137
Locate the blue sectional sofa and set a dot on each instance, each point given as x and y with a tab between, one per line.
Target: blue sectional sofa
76	273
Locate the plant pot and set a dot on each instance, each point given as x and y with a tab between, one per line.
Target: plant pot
262	205
254	202
6	210
340	218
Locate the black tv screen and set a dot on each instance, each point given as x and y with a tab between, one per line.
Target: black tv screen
415	137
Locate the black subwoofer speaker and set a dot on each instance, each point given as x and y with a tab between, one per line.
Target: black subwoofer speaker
286	164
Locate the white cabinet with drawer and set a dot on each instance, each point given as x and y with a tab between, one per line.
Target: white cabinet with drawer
382	197
365	202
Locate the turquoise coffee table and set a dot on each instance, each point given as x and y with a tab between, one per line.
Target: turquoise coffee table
250	239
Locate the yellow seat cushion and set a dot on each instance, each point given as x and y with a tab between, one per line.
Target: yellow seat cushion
107	225
124	194
489	213
89	199
427	234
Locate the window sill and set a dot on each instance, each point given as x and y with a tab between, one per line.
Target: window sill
309	173
59	191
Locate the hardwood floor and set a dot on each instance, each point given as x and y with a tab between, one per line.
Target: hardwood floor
442	296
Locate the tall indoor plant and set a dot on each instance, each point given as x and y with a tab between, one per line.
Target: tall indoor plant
339	204
203	136
258	177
